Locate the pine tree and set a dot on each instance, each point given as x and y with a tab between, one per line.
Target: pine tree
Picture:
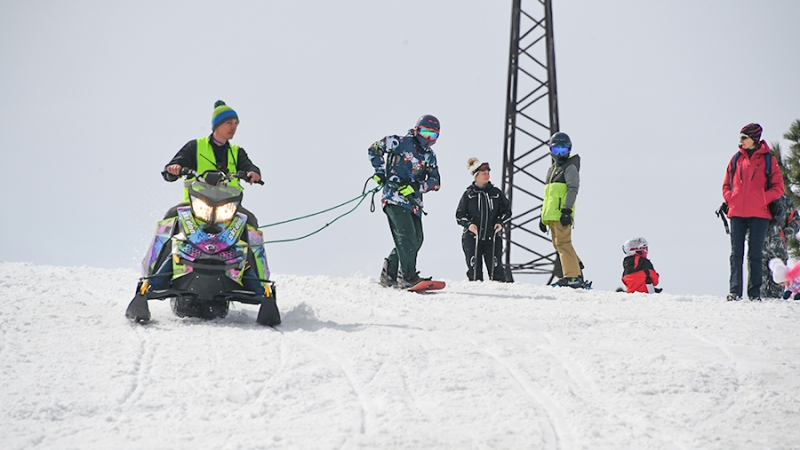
790	168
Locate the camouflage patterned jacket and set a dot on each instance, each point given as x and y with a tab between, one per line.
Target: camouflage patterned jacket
404	161
781	229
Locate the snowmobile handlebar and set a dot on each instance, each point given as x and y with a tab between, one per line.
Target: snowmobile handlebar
185	171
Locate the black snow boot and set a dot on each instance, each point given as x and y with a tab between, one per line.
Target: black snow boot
387	280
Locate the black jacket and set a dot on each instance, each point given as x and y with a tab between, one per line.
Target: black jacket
187	157
483	207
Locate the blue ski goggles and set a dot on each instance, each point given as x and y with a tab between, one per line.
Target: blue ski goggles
558	150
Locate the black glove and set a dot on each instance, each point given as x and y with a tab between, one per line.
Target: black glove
724	208
169	177
380	179
566	217
542	227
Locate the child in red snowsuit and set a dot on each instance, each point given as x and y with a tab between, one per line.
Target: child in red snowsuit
638	273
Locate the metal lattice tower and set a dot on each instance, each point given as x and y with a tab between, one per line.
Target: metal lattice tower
531	118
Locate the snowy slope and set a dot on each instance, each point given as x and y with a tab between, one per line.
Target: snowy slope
358	366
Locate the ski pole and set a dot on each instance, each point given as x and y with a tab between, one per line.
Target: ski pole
721	215
494	263
475	260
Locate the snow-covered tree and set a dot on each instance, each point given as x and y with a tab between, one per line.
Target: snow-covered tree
789	162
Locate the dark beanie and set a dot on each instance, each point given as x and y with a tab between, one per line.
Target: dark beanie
753	130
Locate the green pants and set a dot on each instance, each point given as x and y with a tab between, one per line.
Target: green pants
407	234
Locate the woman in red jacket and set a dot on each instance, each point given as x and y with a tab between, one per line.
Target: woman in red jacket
749	187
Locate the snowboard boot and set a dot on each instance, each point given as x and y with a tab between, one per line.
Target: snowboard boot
387	280
411	281
733	297
573	282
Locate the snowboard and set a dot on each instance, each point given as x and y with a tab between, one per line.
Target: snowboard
587	285
427	285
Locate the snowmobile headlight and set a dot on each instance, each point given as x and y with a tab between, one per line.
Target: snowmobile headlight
225	212
201	210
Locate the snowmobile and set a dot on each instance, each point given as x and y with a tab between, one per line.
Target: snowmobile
207	256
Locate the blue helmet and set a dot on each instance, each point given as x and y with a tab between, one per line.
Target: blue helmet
560	147
560	140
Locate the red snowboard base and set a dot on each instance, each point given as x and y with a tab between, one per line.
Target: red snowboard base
429	285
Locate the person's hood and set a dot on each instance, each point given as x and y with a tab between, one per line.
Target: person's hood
573	159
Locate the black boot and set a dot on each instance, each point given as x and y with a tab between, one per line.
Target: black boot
387	279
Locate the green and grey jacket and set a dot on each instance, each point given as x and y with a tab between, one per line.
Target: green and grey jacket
561	189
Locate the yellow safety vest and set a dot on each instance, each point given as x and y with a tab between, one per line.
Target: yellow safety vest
207	161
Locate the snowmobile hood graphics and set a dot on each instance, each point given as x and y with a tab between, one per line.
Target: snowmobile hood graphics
198	243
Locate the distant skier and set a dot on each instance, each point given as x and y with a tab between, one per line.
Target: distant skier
781	228
406	168
558	207
482	211
638	273
748	191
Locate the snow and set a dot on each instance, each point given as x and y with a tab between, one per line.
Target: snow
355	365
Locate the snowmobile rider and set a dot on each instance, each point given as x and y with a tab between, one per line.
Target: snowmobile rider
558	207
482	211
406	168
214	152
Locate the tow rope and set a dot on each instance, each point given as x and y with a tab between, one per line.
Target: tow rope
360	198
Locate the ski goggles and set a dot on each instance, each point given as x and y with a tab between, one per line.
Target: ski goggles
429	133
743	137
558	150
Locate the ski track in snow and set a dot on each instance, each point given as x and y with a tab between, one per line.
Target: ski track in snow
355	365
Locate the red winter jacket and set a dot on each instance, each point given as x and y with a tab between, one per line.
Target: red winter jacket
749	196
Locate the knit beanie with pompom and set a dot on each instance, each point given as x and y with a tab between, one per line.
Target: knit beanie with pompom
222	112
474	166
778	269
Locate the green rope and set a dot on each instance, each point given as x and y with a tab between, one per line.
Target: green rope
360	198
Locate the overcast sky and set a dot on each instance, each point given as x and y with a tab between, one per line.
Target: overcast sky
98	96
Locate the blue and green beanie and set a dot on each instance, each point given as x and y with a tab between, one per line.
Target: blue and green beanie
222	112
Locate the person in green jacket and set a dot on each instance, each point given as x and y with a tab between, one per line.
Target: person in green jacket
558	207
214	152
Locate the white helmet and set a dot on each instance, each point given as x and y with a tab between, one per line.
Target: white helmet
635	245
